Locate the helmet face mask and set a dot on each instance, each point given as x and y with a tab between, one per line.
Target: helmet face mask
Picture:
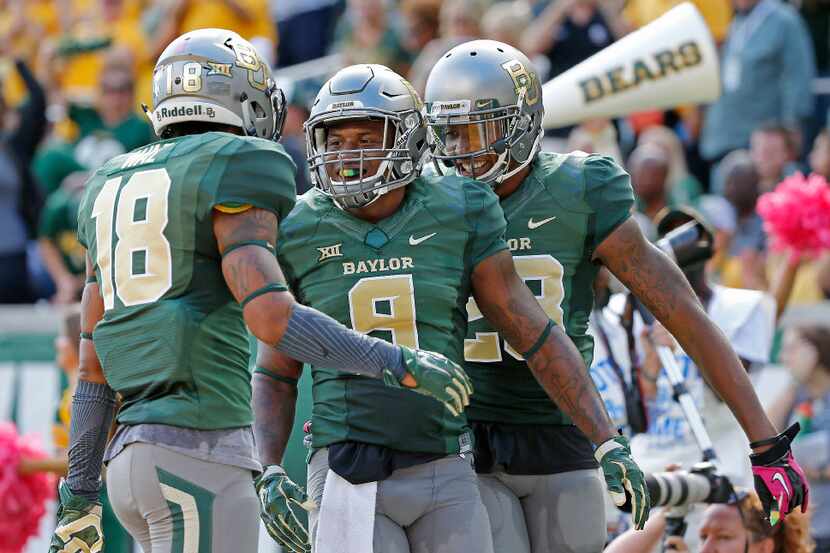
363	143
487	138
214	76
476	144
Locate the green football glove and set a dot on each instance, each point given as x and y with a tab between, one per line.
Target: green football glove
279	498
436	377
79	524
623	475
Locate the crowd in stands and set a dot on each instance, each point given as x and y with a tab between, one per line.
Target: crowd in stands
74	73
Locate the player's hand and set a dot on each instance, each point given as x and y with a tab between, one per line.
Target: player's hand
279	499
622	475
435	376
79	524
779	479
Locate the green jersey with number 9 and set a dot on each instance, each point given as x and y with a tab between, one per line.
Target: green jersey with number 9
405	279
172	341
560	213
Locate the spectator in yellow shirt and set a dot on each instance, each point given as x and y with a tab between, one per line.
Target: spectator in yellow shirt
98	26
717	13
251	19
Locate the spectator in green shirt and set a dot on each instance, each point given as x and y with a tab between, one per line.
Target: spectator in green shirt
112	126
106	129
62	255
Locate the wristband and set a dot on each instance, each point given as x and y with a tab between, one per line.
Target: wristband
539	341
789	434
606	447
86	336
277	377
780	446
271	470
259	243
274	287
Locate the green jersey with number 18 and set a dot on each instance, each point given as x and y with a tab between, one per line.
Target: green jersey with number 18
172	341
405	279
560	213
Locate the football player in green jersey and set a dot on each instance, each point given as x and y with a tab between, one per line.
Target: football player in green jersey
179	240
566	215
389	252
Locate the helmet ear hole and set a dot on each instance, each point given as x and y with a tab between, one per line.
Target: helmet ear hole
259	112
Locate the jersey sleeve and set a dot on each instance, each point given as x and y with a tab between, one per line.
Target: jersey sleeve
608	193
486	220
253	173
287	270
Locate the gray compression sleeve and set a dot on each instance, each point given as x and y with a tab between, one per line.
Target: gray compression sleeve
93	407
315	338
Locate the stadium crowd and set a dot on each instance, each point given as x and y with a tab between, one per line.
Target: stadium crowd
74	74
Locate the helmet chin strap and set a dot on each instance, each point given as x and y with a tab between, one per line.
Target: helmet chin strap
491	176
536	145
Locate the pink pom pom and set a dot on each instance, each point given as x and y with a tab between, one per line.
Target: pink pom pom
22	498
797	214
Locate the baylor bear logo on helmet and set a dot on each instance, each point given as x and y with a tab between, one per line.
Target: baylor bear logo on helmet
522	79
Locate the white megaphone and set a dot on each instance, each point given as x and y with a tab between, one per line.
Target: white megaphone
671	61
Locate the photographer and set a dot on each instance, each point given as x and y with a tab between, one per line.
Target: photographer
737	526
746	317
630	377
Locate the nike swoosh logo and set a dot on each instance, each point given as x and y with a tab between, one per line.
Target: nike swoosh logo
415	241
531	224
777	477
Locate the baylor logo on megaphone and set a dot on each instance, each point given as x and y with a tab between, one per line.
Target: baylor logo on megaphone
624	77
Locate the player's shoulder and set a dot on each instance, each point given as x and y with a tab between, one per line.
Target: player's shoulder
569	170
205	146
310	210
578	176
231	147
454	195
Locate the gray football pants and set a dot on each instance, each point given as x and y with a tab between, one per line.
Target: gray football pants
552	513
430	508
172	503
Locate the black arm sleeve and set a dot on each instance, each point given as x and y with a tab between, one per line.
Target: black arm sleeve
315	338
32	127
93	407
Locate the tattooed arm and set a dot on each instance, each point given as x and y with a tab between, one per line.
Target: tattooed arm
92	311
255	279
658	282
510	306
250	268
274	402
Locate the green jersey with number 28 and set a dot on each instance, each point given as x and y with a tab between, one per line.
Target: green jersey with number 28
557	217
405	279
172	340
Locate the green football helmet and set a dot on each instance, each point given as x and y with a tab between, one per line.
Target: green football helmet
216	76
366	93
484	101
